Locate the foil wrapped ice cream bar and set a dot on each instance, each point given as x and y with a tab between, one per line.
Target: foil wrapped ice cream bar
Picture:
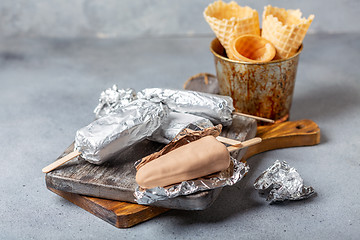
235	172
218	109
112	99
281	182
175	123
111	134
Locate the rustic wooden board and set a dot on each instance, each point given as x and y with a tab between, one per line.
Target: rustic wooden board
124	215
119	214
116	179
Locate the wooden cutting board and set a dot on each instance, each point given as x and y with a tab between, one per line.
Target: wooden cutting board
124	214
115	179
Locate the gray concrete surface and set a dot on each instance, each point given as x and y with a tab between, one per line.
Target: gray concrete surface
127	18
49	88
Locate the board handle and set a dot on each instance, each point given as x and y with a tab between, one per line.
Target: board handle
283	135
60	161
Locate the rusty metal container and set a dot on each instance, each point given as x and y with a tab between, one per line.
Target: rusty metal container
261	89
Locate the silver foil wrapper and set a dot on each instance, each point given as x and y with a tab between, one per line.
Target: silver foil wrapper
281	182
226	178
112	99
218	109
107	136
175	123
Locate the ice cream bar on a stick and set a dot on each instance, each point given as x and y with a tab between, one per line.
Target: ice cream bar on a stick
196	159
216	108
108	136
113	99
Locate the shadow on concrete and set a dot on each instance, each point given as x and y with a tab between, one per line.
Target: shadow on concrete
326	103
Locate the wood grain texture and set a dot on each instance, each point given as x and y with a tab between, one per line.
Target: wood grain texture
124	214
119	214
283	135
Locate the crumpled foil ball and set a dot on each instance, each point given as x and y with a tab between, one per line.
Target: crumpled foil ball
281	182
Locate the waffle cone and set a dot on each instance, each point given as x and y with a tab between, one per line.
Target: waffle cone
252	48
229	20
285	29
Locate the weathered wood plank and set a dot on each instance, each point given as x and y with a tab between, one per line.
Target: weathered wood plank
119	214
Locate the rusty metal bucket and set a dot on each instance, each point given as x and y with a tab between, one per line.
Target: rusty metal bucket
261	89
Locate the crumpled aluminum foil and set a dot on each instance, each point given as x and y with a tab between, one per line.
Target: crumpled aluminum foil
226	178
218	109
281	182
111	134
112	99
175	123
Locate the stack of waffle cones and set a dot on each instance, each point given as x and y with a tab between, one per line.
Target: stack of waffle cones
229	20
285	29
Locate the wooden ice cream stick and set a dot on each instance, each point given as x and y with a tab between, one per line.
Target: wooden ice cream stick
228	141
60	161
254	117
235	145
244	144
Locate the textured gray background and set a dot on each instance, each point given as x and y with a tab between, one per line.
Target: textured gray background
127	18
53	67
